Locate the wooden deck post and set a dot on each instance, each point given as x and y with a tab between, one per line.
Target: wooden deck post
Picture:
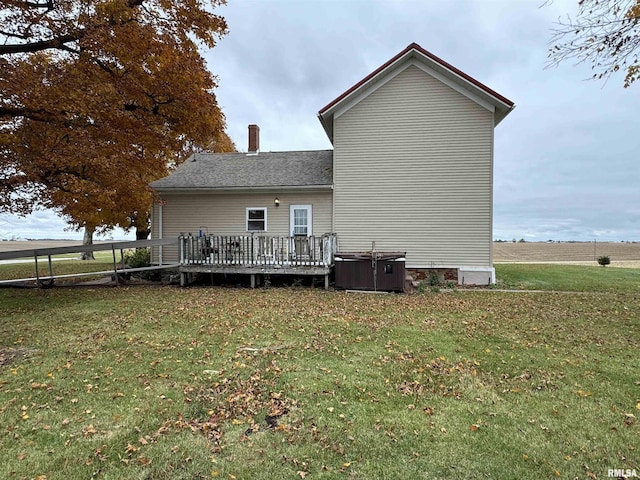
253	280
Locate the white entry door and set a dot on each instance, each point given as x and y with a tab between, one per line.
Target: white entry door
301	220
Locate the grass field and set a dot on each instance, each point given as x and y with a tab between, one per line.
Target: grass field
169	383
574	278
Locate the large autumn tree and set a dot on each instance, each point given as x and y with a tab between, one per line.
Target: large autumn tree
605	34
100	97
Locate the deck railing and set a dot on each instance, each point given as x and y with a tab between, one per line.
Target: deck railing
257	249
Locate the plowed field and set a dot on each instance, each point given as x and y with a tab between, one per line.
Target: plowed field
622	254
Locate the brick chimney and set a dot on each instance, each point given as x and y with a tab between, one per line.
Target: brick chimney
254	138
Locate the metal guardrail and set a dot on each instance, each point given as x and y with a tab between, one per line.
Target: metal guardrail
43	252
118	267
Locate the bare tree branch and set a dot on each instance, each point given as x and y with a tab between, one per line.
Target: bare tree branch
31	47
604	33
59	42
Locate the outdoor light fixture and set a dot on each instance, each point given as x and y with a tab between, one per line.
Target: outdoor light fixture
276	202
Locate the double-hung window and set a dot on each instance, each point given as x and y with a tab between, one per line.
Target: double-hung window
257	219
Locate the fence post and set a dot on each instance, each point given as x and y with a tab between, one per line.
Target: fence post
35	257
115	265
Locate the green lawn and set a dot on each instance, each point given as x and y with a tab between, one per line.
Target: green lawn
568	278
162	382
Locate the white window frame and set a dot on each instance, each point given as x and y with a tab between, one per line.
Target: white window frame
246	223
309	209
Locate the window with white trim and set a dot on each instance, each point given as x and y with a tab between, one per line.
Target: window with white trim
257	219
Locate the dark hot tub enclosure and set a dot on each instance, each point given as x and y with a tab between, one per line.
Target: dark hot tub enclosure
375	271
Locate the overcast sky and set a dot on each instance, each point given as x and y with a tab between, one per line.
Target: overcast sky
567	160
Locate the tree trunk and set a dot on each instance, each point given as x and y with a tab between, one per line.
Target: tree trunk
87	240
142	233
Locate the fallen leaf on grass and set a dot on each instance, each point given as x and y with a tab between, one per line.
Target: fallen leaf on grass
89	430
302	474
629	419
584	393
474	427
130	448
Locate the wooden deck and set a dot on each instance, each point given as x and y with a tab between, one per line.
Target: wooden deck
256	255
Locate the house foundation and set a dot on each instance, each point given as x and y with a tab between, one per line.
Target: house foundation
461	276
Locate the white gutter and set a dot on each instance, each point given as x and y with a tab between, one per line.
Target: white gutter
266	189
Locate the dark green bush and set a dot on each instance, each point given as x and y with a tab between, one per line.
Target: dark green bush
604	260
140	257
434	278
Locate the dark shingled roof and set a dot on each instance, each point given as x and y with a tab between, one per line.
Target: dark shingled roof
238	170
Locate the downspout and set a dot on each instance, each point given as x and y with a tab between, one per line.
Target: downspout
160	233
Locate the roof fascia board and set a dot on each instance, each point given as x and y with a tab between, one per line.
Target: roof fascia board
397	70
367	89
503	106
366	86
464	83
467	92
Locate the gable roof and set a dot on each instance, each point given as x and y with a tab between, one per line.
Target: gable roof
415	54
212	171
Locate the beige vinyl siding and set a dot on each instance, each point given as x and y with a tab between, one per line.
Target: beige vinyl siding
413	172
225	213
